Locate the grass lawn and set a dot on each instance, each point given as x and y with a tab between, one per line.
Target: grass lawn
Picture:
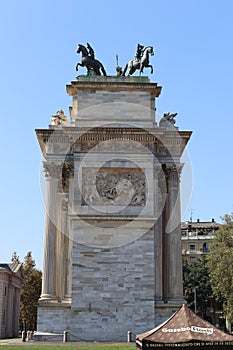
32	346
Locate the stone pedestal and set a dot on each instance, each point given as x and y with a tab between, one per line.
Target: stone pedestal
112	254
112	101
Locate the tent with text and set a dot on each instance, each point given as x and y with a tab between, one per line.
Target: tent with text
185	329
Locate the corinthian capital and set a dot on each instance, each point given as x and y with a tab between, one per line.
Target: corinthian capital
68	169
67	172
172	170
53	170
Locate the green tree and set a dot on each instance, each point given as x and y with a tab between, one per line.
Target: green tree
196	275
220	263
30	293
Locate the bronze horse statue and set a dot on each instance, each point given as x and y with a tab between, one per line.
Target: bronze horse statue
133	65
92	65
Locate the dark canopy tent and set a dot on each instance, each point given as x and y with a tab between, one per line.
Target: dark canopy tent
184	329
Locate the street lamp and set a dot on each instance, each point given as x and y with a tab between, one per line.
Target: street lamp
195	299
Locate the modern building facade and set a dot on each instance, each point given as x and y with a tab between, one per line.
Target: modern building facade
196	238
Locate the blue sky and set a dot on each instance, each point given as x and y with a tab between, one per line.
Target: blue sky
193	62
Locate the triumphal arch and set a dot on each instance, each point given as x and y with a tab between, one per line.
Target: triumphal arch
112	245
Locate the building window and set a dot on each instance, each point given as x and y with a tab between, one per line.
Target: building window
5	291
205	248
192	248
193	258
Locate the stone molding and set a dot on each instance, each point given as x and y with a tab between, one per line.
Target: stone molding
160	142
120	85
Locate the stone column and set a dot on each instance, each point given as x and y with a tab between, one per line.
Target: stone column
16	312
63	239
9	311
158	239
67	241
59	246
173	278
53	173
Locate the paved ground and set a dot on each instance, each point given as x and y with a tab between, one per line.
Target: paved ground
18	341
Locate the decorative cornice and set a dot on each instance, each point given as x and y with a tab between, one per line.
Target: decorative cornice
72	139
117	84
115	217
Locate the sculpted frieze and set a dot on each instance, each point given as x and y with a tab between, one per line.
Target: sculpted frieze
114	186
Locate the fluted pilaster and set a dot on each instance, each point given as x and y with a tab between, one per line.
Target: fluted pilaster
53	173
63	268
173	286
158	240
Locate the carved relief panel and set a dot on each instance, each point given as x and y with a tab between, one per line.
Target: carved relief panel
113	186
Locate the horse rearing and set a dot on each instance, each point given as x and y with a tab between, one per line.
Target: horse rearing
133	65
87	61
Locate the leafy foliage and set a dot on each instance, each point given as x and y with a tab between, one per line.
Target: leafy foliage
220	263
196	274
30	293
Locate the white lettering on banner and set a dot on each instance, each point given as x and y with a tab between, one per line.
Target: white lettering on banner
195	329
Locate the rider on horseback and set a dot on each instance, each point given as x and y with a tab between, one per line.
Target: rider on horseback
88	60
139	52
141	60
90	51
